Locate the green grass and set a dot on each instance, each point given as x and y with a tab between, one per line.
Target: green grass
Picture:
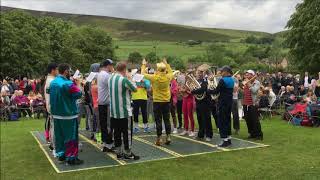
165	48
294	154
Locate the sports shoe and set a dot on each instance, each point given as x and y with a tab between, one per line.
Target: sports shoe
61	159
175	131
184	133
191	134
208	139
168	139
51	147
135	130
158	141
131	156
146	130
105	149
120	156
225	143
163	131
74	162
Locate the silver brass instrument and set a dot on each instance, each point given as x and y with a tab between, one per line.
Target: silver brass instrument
212	84
192	84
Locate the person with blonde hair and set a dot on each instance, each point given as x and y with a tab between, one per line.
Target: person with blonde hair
160	82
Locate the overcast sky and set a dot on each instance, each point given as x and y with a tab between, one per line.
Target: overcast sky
257	15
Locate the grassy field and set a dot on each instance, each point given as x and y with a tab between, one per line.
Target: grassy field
293	154
164	48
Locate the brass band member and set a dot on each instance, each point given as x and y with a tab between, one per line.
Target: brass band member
250	105
225	89
203	109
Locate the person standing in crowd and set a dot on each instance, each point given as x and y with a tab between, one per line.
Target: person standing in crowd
235	109
181	82
306	81
317	89
225	89
173	103
96	122
203	108
160	82
187	108
120	87
140	100
63	96
103	103
250	105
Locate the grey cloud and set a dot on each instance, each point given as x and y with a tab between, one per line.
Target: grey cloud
257	15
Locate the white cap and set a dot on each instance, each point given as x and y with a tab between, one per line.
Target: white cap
251	72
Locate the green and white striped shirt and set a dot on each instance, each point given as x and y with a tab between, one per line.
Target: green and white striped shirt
120	96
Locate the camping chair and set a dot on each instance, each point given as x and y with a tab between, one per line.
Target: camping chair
298	114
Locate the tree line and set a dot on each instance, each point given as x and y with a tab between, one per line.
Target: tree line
29	44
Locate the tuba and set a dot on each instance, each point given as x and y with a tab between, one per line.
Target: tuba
192	84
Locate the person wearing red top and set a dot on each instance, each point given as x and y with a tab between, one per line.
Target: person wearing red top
94	94
250	105
187	108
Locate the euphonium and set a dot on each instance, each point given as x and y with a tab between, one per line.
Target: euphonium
193	84
212	84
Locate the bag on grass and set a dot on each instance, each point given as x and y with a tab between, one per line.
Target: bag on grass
296	121
14	116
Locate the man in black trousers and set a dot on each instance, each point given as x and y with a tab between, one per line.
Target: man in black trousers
225	91
203	109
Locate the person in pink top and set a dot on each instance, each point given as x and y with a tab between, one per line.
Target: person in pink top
94	94
187	109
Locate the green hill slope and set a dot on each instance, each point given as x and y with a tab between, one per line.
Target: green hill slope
137	30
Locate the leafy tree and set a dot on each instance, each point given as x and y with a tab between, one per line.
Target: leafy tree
135	57
303	36
23	51
152	57
29	43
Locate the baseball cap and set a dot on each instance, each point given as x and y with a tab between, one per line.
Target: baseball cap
106	62
226	69
251	72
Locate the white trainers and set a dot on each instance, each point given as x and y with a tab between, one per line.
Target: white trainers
208	139
184	133
163	131
175	131
191	134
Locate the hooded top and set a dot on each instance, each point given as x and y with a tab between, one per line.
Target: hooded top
160	82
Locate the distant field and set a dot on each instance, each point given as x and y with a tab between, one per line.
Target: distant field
168	48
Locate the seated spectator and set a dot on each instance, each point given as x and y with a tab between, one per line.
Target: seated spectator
271	96
310	97
292	99
5	88
23	104
38	105
263	100
31	96
302	91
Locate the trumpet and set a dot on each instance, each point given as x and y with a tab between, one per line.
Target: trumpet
245	82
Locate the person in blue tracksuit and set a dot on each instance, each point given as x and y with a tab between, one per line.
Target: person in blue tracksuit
225	89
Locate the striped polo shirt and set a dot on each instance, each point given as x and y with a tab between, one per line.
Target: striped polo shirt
120	96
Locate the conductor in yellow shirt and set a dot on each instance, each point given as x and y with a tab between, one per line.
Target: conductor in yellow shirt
160	82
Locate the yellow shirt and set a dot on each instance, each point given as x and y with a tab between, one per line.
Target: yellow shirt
160	82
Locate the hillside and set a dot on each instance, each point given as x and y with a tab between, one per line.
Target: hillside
138	30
